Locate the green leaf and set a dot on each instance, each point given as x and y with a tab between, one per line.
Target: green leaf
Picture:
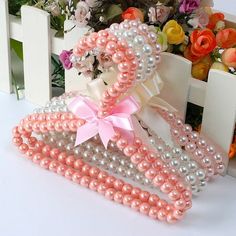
113	11
59	33
17	47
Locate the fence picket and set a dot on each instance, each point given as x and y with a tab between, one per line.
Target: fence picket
37	54
219	114
5	68
73	81
175	70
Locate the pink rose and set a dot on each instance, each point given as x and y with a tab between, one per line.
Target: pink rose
65	59
159	13
188	6
105	61
229	57
85	66
82	13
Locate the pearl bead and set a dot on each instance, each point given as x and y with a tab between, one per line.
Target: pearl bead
79	150
194	136
182	141
218	158
147	49
113	166
139	40
221	168
87	154
202	143
203	184
190	147
193	165
199	154
130	173
210	172
200	174
177	151
183	170
191	178
175	163
206	162
210	150
121	170
185	158
160	148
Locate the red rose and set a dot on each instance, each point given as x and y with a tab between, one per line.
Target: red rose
133	13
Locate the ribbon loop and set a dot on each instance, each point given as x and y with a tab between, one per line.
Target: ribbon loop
87	110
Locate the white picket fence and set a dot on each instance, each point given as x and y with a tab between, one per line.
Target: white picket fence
218	96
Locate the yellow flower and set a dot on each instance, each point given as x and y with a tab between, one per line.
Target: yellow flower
200	70
174	31
219	66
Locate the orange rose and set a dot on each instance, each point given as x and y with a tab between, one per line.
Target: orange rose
133	13
232	151
203	42
229	57
214	18
226	38
188	55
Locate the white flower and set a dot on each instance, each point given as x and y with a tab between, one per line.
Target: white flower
54	9
199	18
93	3
82	13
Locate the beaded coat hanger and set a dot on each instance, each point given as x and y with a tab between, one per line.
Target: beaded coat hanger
156	165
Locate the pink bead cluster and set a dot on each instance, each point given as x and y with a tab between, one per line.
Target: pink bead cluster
98	180
122	55
127	57
201	150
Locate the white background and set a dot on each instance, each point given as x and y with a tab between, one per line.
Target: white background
34	202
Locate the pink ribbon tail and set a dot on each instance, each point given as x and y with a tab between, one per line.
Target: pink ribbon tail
85	132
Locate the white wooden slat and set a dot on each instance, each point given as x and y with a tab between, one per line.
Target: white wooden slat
15	28
197	92
219	114
232	167
57	43
73	81
5	68
37	54
175	71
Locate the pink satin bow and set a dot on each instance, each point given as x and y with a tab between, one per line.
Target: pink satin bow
120	117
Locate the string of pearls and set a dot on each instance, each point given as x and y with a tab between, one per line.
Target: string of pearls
173	157
142	40
94	152
176	158
56	104
197	146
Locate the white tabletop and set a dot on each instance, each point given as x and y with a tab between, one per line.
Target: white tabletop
35	202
